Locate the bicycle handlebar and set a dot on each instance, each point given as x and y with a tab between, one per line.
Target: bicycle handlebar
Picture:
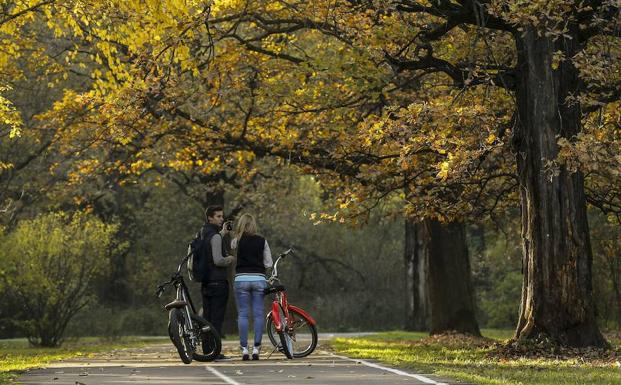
282	255
183	261
274	275
162	287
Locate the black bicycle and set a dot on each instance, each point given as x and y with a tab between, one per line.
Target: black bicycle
187	330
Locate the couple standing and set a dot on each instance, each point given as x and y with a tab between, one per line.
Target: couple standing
253	257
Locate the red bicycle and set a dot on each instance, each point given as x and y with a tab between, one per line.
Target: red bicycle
295	328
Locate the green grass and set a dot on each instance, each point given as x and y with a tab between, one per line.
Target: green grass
16	356
498	334
467	360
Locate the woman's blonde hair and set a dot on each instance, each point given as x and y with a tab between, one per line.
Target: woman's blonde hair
245	224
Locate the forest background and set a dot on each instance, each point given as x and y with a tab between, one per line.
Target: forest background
379	139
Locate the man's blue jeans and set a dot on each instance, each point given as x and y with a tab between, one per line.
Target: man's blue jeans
250	294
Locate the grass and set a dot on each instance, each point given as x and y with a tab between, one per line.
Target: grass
468	360
16	355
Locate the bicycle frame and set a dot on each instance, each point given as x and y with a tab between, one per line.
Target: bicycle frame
187	330
280	300
183	299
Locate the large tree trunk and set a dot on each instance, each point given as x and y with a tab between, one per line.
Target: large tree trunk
451	296
417	306
557	294
614	262
613	267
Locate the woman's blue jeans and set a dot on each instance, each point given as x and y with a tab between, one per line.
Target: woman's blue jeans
250	294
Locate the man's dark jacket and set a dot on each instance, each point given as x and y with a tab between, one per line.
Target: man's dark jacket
206	265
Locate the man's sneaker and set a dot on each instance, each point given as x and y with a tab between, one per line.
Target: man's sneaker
245	356
255	352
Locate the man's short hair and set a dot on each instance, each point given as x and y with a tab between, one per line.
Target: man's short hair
211	210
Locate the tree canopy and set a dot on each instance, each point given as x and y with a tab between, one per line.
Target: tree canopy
458	108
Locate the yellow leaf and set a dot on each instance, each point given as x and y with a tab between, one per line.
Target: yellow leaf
491	138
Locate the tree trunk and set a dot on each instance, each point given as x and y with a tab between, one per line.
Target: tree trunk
417	306
451	296
613	267
213	197
557	294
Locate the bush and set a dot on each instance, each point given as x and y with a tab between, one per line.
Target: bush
49	264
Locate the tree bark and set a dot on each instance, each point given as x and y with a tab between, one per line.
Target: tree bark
451	296
213	197
417	306
557	299
613	267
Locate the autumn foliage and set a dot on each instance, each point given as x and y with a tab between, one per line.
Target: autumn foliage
459	109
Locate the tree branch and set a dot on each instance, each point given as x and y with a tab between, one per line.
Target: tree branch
461	77
33	8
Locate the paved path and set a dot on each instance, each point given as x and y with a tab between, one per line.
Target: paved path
159	364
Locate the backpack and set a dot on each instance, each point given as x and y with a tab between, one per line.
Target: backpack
198	265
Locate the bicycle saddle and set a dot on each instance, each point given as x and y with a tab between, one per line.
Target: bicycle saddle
175	304
274	289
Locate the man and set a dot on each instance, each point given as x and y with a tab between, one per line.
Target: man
215	289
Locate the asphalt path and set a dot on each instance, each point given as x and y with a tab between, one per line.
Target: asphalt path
160	364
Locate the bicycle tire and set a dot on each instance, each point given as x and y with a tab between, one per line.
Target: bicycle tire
301	325
285	344
209	338
271	330
176	322
285	340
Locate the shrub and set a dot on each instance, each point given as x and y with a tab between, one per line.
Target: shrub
48	266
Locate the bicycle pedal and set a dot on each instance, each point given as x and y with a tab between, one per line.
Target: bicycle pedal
205	329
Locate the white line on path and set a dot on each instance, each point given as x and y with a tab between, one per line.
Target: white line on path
224	378
395	371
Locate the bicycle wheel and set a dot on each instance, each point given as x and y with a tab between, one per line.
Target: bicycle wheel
271	330
284	342
176	322
302	332
208	338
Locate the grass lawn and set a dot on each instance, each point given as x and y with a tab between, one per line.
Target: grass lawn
471	360
16	355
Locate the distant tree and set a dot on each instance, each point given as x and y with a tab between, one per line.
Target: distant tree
48	266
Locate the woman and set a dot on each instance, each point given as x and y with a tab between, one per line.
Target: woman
253	257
